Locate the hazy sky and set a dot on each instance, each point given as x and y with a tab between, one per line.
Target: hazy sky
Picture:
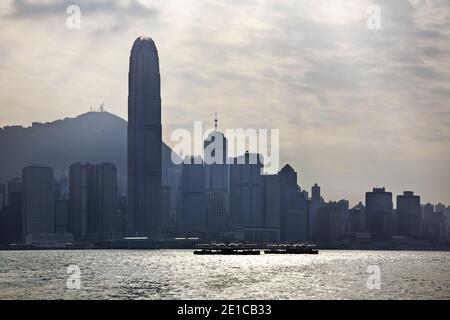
356	108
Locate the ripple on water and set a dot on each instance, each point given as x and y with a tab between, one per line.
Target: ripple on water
178	274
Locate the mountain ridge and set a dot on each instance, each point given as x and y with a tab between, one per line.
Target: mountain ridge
93	137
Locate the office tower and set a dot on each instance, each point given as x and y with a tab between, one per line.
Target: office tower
439	230
246	192
408	215
192	220
316	198
379	210
440	208
78	195
11	220
294	208
327	223
2	195
427	215
93	201
62	216
217	182
435	223
13	186
144	140
272	201
357	218
105	207
344	206
38	201
171	177
63	187
447	217
316	203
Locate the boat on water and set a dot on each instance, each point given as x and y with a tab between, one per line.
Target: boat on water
226	249
292	249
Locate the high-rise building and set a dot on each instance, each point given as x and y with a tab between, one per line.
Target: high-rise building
105	209
272	201
38	201
144	140
344	207
435	222
93	201
316	198
327	223
294	222
79	186
246	192
409	215
316	204
12	187
192	218
357	218
217	183
379	214
62	209
11	220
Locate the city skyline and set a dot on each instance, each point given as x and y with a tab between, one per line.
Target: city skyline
335	89
324	192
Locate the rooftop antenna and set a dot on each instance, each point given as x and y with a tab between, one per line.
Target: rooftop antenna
215	122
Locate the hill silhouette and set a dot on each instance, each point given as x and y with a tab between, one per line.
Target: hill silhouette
93	137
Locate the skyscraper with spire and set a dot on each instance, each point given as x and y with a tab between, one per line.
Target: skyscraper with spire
217	182
144	140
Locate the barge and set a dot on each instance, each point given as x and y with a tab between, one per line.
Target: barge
224	249
292	249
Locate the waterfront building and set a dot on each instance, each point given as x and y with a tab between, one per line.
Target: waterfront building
379	214
38	200
144	140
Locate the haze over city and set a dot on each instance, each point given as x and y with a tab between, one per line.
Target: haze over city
356	108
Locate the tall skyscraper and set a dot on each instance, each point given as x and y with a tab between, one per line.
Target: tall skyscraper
316	204
217	182
247	192
272	201
38	200
93	201
192	219
11	220
379	210
144	140
78	195
327	223
409	215
294	211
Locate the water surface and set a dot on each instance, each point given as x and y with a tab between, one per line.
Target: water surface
178	274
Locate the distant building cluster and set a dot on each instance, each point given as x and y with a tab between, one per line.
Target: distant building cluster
223	201
217	202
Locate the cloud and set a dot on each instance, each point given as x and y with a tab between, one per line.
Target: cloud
33	8
355	107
